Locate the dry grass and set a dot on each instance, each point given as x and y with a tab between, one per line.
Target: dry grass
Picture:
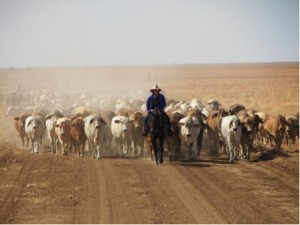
272	88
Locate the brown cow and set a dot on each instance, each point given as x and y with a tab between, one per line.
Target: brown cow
78	135
261	136
173	142
63	132
20	127
249	128
292	129
136	119
275	128
234	109
213	129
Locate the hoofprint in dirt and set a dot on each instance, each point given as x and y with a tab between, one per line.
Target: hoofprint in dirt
48	188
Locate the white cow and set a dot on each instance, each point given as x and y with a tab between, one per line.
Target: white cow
95	129
50	127
196	104
189	132
231	130
34	129
121	131
63	133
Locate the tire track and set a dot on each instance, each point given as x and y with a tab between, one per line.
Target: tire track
245	194
89	191
13	196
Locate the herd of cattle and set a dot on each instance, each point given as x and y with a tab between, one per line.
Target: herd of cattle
94	123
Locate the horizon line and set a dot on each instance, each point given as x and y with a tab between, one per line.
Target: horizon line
142	65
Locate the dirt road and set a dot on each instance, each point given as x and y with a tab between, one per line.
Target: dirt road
48	188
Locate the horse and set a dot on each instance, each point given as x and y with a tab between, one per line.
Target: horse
157	133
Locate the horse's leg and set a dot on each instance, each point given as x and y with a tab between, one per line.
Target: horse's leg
161	150
155	149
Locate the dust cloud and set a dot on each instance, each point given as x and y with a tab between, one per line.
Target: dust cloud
66	88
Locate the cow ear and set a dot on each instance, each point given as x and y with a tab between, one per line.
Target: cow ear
117	121
17	118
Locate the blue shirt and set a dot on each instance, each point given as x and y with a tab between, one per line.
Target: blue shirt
159	102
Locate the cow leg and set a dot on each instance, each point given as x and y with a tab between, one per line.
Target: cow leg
79	149
53	144
31	146
194	152
98	152
235	149
62	149
118	146
231	154
249	148
36	146
67	148
27	141
187	152
22	140
56	145
124	148
211	140
161	150
142	150
199	140
170	151
190	150
230	148
92	149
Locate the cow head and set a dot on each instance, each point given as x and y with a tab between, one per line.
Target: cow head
187	124
97	121
123	121
78	126
64	125
248	124
235	123
21	119
136	120
33	122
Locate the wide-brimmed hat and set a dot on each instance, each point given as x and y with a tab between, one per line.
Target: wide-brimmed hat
155	87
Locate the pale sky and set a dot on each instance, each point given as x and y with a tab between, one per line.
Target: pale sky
37	33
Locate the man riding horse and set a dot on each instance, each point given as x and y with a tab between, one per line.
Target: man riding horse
156	101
